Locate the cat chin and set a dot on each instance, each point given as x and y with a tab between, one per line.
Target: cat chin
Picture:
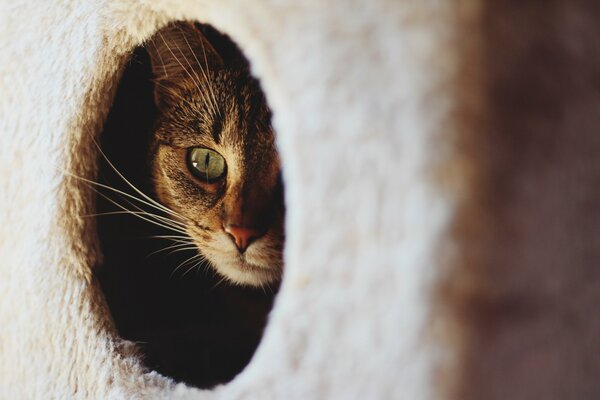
246	274
241	270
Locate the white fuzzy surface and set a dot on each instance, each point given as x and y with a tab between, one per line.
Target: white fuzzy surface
351	85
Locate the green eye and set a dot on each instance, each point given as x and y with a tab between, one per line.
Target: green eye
206	164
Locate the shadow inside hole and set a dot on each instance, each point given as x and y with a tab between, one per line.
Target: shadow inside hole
188	324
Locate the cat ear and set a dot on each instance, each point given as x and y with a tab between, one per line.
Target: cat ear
179	53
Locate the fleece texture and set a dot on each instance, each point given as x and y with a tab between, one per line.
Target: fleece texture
440	160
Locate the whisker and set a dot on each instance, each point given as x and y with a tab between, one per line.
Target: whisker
161	60
177	247
137	215
183	241
210	89
171	237
196	265
151	200
176	239
199	255
160	218
206	64
124	194
197	82
179	62
192	247
223	279
173	93
177	227
166	220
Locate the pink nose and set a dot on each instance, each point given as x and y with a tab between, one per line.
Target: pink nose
242	236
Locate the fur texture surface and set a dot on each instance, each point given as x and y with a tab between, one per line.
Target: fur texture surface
441	185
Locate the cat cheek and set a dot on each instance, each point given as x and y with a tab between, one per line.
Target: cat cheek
221	246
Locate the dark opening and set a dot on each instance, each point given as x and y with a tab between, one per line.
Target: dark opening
188	324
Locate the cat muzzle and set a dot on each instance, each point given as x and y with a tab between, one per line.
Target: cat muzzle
242	236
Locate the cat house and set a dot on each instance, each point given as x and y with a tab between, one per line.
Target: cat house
441	167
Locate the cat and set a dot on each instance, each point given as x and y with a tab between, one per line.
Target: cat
213	157
188	148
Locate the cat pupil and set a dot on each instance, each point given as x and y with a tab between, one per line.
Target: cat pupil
206	163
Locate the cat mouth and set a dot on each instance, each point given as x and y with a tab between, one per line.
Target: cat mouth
247	268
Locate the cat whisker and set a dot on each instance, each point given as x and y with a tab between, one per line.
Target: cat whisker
198	82
175	229
270	287
161	59
131	185
223	279
192	247
140	213
118	191
180	64
176	238
193	267
156	219
198	267
203	70
175	248
173	93
170	90
183	241
261	285
159	218
187	261
166	220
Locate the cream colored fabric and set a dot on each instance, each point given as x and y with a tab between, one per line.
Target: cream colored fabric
348	92
370	100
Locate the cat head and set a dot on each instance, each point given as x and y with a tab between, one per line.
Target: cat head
213	157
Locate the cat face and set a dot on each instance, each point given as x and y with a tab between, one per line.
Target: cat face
213	157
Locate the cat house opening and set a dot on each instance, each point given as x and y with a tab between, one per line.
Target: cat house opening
192	322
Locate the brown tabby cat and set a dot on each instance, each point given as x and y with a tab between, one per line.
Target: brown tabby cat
213	156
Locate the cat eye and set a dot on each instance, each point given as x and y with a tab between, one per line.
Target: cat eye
205	164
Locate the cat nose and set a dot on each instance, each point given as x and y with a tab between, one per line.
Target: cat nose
242	236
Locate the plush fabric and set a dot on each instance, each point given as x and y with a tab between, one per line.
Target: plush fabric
441	171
